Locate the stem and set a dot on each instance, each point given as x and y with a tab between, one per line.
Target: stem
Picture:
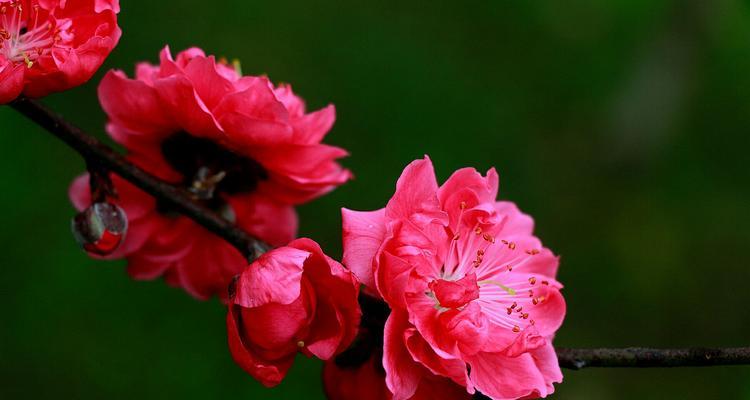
100	184
93	150
102	156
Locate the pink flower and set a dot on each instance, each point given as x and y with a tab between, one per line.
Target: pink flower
49	46
294	298
240	145
472	290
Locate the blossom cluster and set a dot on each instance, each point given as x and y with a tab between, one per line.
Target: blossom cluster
470	295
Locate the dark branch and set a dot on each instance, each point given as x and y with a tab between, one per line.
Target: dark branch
641	357
97	153
94	151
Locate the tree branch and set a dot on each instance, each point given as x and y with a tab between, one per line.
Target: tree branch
94	151
642	357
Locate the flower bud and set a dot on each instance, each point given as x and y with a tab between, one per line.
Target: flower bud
100	228
291	299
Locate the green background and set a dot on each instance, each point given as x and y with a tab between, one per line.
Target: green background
621	126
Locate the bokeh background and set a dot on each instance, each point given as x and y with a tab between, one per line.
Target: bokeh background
621	126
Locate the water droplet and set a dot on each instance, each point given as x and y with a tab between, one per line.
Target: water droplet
100	228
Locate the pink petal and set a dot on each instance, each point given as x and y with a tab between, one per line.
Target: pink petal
312	128
209	84
363	234
391	278
336	291
134	104
210	266
187	108
416	191
485	188
514	221
544	264
79	192
101	5
401	376
423	353
327	330
267	372
11	81
269	220
273	328
500	377
253	116
274	277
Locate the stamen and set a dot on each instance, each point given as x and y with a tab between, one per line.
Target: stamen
36	15
237	67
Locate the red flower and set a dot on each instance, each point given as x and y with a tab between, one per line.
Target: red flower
472	291
49	46
240	145
294	298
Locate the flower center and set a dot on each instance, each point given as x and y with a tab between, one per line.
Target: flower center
209	170
26	31
494	275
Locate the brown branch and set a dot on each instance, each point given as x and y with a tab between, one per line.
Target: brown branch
94	151
641	357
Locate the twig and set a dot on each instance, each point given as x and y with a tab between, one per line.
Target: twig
92	149
641	357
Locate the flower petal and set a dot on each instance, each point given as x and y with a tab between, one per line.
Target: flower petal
401	377
274	277
363	234
269	373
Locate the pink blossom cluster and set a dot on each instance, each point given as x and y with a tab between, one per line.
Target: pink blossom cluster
469	294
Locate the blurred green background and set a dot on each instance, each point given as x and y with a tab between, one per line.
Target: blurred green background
621	126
